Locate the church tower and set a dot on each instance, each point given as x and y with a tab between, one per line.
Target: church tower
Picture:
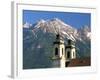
70	50
59	52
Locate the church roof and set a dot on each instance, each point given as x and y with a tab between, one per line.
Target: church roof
79	62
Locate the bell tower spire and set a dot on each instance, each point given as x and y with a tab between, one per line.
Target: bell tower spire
59	52
70	50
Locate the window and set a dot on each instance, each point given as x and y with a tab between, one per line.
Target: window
68	54
73	54
56	51
62	51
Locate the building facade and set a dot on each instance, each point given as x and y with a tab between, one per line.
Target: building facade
63	53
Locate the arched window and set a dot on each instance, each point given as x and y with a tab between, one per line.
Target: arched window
62	51
73	54
56	51
68	54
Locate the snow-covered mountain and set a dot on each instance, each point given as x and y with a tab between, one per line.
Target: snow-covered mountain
56	25
38	39
27	25
85	32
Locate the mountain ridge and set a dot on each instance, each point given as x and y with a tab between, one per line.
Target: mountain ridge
56	25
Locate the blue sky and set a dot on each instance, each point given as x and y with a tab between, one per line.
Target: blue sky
76	20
